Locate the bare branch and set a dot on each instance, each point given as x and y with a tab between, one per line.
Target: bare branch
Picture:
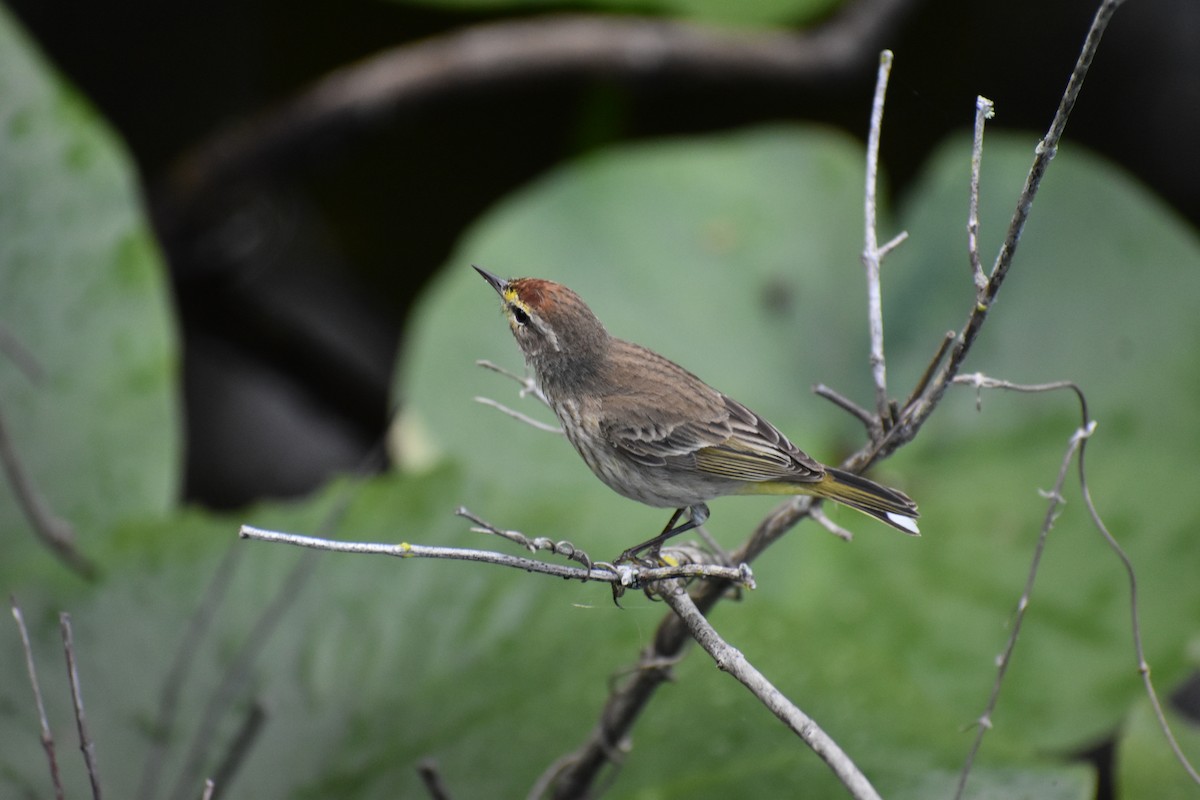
47	736
85	740
54	531
1055	500
846	404
984	110
730	659
624	575
431	777
1143	666
1043	155
527	383
930	370
562	548
819	517
180	669
239	746
871	251
528	387
12	346
517	415
356	99
237	673
1078	443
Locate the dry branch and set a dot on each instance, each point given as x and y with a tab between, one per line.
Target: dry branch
360	97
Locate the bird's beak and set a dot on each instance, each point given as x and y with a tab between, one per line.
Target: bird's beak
498	283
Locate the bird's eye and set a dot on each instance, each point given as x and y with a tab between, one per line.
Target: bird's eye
520	316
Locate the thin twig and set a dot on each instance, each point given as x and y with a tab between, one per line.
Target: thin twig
930	370
919	413
239	748
984	110
53	531
431	778
86	745
47	736
526	382
871	251
209	788
730	659
12	346
237	673
528	387
1143	666
846	404
628	576
559	547
1079	442
180	669
819	517
517	415
1054	496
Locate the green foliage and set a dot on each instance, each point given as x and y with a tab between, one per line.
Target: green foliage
737	255
1145	765
83	291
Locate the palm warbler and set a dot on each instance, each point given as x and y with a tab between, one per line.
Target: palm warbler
654	432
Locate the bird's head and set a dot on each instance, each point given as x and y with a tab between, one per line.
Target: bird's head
553	327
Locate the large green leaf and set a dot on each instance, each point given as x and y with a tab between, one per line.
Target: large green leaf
82	289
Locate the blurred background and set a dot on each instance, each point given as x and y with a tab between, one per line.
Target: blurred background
297	234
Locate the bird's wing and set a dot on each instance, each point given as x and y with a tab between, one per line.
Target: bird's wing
658	434
709	433
756	451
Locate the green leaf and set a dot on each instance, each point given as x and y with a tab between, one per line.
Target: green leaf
82	290
1145	765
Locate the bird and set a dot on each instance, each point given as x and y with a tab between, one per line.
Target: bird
654	432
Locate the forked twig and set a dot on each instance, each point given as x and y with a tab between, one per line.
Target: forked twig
1076	449
1054	496
517	415
873	254
528	387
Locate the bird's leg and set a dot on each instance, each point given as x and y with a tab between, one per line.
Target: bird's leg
697	515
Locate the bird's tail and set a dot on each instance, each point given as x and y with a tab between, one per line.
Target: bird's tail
886	505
